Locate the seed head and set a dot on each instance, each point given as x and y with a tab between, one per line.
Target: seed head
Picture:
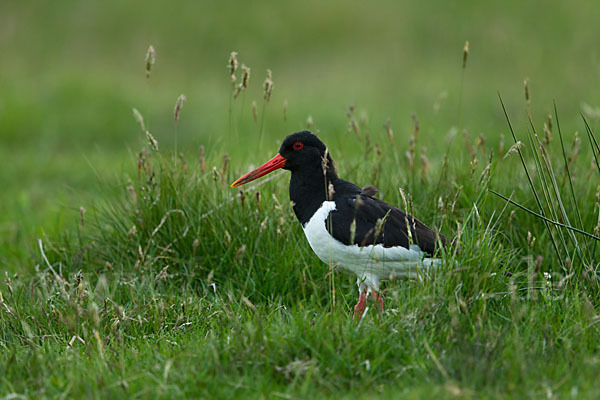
268	85
183	163
380	225
233	62
474	161
285	105
352	124
465	54
530	240
407	208
378	150
511	217
513	149
547	133
413	116
150	60
141	162
350	112
526	86
153	142
263	225
410	153
243	84
245	76
389	131
178	106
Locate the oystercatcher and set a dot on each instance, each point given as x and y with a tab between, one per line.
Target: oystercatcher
346	226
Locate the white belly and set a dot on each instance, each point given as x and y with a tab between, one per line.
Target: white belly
372	262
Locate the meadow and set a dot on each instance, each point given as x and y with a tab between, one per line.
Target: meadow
131	269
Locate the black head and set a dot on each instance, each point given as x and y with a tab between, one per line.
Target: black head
303	150
300	152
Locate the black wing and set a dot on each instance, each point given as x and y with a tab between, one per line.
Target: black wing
352	204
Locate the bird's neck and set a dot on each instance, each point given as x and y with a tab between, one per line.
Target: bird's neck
309	188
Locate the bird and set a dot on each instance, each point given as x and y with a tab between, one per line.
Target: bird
346	225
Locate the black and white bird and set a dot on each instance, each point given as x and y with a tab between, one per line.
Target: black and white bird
346	226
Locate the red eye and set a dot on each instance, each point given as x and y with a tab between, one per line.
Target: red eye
298	145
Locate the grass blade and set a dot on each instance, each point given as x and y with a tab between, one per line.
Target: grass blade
593	142
537	199
562	145
547	220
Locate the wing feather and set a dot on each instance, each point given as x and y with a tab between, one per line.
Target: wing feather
392	229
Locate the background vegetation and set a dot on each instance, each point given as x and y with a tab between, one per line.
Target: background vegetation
171	285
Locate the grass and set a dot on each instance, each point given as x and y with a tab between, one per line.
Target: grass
174	285
183	287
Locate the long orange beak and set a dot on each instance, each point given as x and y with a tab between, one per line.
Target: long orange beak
275	163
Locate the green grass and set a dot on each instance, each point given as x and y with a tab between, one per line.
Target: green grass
175	286
209	297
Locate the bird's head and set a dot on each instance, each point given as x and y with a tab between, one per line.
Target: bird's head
298	151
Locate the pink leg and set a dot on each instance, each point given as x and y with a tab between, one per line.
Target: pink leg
359	308
378	297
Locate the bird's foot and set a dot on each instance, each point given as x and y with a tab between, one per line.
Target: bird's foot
378	297
359	308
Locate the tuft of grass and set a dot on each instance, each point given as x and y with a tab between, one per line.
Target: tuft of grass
574	247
